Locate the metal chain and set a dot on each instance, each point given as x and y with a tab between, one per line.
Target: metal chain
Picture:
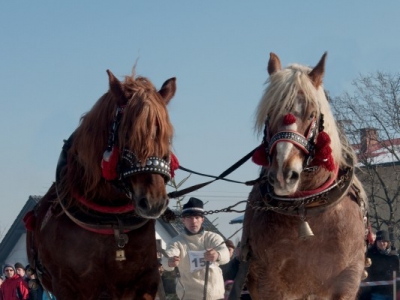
169	215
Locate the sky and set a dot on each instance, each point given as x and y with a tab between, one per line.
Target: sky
54	56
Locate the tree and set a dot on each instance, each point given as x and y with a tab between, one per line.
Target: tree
370	117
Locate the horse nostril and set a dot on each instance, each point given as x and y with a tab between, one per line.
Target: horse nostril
294	176
144	204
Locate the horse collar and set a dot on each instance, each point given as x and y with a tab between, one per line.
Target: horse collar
314	203
100	222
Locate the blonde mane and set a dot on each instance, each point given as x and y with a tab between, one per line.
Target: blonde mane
145	129
281	95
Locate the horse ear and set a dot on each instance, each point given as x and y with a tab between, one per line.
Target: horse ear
317	74
116	88
274	64
168	89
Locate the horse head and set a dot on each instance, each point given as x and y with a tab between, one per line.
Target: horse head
300	135
122	148
144	134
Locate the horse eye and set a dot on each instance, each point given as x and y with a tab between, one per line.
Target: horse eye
312	115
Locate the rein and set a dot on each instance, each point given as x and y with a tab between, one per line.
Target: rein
177	194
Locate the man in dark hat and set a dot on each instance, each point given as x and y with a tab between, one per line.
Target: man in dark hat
384	261
192	250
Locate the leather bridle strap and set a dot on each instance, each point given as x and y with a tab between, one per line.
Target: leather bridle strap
222	176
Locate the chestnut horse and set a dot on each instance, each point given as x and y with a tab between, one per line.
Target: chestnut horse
92	236
304	225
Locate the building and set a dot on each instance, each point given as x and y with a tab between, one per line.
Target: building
379	172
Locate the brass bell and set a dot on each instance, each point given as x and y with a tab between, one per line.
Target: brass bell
305	231
120	255
364	275
368	262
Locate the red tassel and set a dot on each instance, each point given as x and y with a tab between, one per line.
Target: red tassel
29	220
109	164
174	165
260	157
323	139
289	119
323	152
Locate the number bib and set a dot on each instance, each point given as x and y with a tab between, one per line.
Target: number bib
197	261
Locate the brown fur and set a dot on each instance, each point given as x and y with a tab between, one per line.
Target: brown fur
80	264
282	266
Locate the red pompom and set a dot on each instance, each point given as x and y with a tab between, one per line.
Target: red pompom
174	165
289	119
323	152
109	164
322	139
29	220
260	157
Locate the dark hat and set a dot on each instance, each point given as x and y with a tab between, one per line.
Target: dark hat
19	265
8	266
382	235
194	207
229	244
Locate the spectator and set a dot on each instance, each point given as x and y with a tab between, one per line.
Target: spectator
1	282
35	287
228	288
20	270
231	248
14	287
384	262
192	251
230	270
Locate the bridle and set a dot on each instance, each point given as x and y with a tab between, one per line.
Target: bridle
114	164
305	143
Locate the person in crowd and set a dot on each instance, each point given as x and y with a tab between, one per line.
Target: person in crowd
230	270
228	288
35	287
14	287
195	252
384	262
1	283
231	248
20	270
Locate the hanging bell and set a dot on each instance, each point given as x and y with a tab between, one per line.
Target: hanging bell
120	255
368	262
305	231
364	275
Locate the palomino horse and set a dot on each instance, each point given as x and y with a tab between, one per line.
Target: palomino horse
92	236
304	224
